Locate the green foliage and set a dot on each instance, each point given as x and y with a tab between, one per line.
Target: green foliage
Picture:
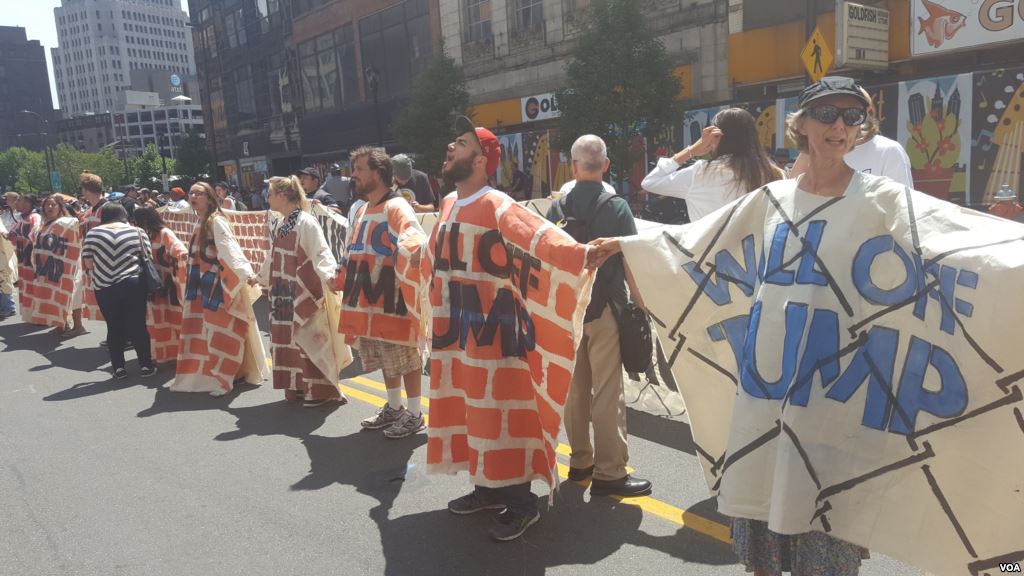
147	168
193	158
426	122
22	170
620	83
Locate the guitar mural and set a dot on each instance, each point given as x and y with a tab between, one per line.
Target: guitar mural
998	142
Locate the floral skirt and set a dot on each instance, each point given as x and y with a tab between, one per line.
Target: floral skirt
807	554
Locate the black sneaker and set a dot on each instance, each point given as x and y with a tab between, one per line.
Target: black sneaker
120	373
147	371
471	503
511	525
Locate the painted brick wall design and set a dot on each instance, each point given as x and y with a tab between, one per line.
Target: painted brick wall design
296	294
164	312
508	294
20	236
213	326
55	260
374	304
90	307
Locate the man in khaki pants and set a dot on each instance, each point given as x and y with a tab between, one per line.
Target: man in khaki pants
596	396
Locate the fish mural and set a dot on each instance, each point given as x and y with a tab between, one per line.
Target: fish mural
941	25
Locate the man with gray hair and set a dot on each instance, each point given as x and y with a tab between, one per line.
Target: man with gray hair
595	395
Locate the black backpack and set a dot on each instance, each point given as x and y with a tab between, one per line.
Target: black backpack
579	228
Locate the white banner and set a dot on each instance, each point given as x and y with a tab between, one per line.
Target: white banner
852	365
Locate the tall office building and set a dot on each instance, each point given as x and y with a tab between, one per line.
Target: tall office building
23	86
102	42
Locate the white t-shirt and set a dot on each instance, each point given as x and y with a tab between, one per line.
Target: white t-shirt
882	157
706	186
181	204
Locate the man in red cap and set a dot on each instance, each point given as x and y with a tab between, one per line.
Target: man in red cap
507	293
178	199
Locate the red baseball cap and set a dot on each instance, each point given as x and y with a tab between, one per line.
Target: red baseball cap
485	138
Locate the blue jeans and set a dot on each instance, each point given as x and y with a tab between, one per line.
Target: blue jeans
517	498
7	304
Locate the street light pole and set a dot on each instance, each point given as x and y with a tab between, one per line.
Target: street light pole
373	82
43	129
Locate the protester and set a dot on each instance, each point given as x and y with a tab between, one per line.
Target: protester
337	185
826	128
479	381
220	341
57	238
8	257
406	177
358	201
305	347
110	254
384	237
223	190
22	236
170	256
738	165
596	394
178	199
90	186
568	186
874	153
312	185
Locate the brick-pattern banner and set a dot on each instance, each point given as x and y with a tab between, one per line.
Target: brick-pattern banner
219	337
21	236
170	256
307	351
373	305
251	229
55	259
508	292
852	365
90	307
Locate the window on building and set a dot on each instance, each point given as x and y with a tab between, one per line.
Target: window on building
478	22
243	89
396	43
234	28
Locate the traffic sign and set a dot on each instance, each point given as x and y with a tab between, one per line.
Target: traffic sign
55	180
817	56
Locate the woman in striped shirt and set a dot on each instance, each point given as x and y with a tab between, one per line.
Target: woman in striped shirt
110	254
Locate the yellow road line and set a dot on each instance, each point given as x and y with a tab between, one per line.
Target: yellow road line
648	504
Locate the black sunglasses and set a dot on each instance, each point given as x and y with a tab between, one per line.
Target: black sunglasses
828	114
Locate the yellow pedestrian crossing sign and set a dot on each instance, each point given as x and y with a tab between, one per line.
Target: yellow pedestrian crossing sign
817	56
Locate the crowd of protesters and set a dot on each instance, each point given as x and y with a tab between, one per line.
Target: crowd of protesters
384	194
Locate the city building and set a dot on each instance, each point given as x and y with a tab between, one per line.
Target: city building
102	43
24	85
88	133
161	126
288	84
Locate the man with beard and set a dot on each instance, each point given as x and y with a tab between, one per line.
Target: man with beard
384	239
507	290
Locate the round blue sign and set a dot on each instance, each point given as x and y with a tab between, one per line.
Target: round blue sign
175	80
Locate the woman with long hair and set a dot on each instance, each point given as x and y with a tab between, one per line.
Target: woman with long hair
170	256
220	341
738	165
307	352
110	253
55	258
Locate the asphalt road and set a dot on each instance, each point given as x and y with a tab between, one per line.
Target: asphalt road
104	477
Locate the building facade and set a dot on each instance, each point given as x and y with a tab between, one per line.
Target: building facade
24	85
162	127
292	83
102	42
88	133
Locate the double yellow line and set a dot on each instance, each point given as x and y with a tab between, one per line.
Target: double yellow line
648	504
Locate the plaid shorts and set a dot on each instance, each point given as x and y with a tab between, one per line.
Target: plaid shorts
394	360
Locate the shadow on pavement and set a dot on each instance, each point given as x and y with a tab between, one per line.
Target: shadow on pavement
166	401
598	528
108	383
674	434
281	418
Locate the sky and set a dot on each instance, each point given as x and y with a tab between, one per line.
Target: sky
36	16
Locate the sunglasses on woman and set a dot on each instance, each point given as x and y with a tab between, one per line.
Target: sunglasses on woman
828	114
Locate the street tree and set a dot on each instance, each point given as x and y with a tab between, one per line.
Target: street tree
193	157
619	83
147	168
425	123
22	170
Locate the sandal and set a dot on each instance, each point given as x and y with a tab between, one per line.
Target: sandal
73	332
